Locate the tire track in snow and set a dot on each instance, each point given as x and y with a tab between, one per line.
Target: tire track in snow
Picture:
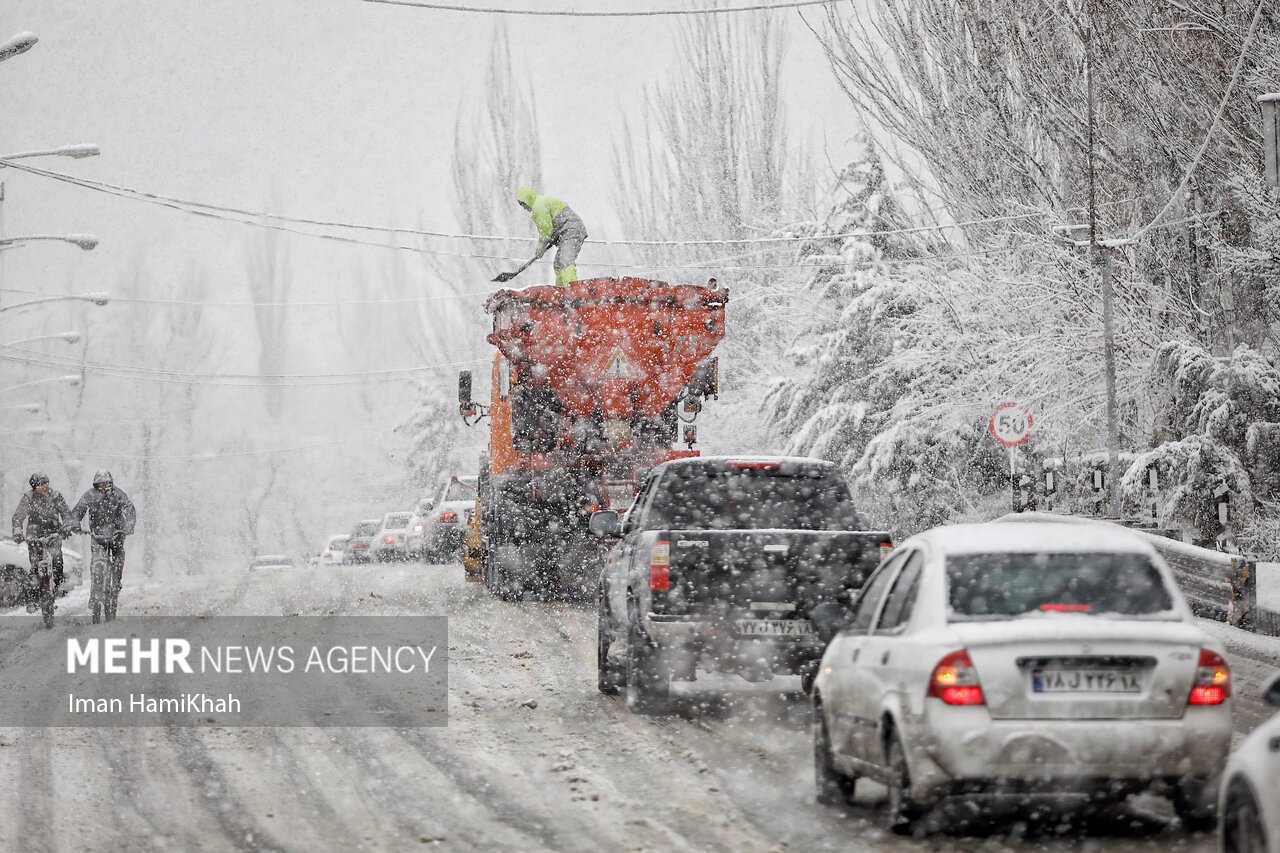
35	831
214	793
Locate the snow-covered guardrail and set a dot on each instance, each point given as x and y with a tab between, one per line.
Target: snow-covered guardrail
1226	587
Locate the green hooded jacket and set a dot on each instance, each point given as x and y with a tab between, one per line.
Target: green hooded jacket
544	211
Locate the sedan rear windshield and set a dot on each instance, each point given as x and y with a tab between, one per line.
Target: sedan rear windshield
395	522
747	499
1005	586
366	528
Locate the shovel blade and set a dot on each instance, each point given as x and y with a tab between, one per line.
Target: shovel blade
504	276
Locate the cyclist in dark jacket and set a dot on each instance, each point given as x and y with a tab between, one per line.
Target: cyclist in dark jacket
111	518
40	513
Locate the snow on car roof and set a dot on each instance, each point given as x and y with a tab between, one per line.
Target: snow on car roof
695	463
1033	537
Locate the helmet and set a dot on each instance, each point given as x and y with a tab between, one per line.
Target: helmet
102	477
37	479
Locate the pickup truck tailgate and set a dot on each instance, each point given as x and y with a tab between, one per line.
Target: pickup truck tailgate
717	572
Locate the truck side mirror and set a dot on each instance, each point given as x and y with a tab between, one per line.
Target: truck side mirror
828	619
706	379
604	523
465	407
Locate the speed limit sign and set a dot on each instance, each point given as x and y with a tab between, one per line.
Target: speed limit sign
1010	424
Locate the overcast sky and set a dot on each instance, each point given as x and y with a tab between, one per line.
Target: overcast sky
336	110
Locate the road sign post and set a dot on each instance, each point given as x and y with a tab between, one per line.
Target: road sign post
1010	425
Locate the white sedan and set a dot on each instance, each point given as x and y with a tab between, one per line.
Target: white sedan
1003	659
1249	805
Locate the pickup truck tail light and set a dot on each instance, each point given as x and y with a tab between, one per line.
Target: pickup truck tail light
955	681
660	567
1213	680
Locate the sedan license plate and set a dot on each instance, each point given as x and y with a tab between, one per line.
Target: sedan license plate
1085	681
774	627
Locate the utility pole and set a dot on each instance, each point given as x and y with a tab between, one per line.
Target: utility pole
1271	136
1107	251
1109	363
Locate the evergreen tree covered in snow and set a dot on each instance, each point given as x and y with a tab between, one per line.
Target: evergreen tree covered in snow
853	398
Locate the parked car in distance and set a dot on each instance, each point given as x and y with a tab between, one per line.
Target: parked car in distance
446	521
1248	807
391	540
272	562
1023	658
333	553
418	528
361	538
15	562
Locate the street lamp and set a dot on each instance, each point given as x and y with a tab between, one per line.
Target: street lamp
69	337
20	43
96	297
76	152
84	241
72	379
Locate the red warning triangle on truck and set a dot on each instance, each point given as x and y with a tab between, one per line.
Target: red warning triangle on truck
618	367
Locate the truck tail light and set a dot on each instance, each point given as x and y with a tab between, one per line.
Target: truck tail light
955	681
1213	680
660	567
449	516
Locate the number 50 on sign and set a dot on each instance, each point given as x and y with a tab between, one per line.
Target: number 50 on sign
1010	424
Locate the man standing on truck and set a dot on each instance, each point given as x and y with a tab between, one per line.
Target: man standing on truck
557	226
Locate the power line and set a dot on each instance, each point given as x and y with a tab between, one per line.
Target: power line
635	13
1222	108
210	456
281	222
223	304
278	380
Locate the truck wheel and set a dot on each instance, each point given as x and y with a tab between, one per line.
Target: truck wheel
834	787
610	676
648	687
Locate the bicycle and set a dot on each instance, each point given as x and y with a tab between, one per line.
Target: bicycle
106	567
43	589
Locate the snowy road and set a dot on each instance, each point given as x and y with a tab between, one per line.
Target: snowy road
533	758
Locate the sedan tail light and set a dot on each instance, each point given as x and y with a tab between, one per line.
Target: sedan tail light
390	540
660	567
1213	680
955	681
449	516
417	528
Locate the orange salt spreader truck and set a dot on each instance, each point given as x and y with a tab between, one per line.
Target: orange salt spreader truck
593	384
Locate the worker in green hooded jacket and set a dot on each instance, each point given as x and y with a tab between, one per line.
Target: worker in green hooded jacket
557	226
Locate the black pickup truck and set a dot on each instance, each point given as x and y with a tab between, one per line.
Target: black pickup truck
727	564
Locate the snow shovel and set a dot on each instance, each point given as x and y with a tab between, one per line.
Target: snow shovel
507	276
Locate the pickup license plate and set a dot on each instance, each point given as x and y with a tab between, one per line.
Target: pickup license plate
774	627
1085	681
